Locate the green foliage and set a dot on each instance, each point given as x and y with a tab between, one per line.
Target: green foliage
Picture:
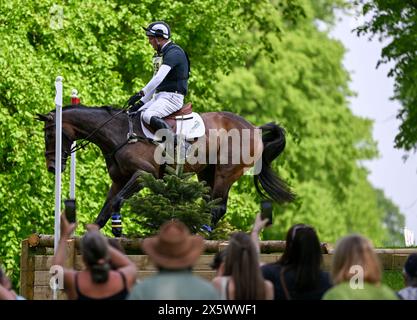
99	48
394	221
176	196
265	60
396	23
393	279
222	231
302	85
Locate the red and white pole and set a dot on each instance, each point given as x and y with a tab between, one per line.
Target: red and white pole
74	97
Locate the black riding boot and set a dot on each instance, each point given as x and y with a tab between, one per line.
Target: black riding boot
158	123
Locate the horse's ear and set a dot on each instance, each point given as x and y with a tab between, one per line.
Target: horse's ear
43	117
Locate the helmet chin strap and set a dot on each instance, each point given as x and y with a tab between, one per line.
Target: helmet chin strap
158	45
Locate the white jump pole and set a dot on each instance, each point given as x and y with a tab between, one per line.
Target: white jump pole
74	101
58	160
72	177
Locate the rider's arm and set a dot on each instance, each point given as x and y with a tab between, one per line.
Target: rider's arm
149	89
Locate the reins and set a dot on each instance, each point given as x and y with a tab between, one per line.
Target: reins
85	141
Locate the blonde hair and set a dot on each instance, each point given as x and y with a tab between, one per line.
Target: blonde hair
355	250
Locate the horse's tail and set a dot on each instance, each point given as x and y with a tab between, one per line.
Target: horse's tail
273	138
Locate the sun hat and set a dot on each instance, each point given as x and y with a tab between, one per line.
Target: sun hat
174	247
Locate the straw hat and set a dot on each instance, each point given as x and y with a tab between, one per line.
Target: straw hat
174	247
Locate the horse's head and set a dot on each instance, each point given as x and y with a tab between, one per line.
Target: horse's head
49	129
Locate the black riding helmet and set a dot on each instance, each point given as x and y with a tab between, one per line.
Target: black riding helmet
158	29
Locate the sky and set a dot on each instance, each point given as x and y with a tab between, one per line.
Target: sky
390	173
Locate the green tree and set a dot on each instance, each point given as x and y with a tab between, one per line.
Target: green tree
302	84
394	220
176	196
99	48
265	60
395	22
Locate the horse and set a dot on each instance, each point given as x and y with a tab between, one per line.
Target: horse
107	127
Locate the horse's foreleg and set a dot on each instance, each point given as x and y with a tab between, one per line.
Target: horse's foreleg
218	212
224	177
105	212
130	188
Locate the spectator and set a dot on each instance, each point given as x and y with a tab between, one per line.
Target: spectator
242	279
218	262
98	281
113	242
258	226
174	251
297	275
356	272
116	244
410	279
6	290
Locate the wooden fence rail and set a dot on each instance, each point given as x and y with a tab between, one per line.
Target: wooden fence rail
37	252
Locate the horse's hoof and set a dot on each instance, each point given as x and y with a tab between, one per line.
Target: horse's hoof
207	228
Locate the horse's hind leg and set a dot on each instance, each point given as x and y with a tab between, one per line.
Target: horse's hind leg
130	188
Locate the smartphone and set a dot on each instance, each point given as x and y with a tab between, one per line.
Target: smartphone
70	213
266	211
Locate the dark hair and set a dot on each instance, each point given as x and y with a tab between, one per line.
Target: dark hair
95	252
410	270
218	259
242	265
302	255
410	266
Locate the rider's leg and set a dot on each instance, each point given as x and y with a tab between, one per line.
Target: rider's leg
162	105
165	104
131	135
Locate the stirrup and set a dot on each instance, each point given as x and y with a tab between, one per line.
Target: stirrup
132	137
184	149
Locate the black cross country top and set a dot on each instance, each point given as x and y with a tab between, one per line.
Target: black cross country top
177	78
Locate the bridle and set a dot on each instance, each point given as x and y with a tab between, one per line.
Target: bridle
85	141
64	135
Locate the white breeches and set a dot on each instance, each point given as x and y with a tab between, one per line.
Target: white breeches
162	104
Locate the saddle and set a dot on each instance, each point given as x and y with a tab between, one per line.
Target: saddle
186	122
184	113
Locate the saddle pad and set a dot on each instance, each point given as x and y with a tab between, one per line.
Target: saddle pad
190	125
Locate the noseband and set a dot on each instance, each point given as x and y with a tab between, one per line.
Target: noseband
64	135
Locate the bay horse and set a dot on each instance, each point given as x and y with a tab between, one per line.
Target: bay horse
107	127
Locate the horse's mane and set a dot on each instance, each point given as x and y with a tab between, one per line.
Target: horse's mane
109	109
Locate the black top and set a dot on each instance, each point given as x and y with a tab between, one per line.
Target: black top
272	272
177	78
121	295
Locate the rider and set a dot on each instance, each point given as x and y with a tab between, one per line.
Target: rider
164	94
